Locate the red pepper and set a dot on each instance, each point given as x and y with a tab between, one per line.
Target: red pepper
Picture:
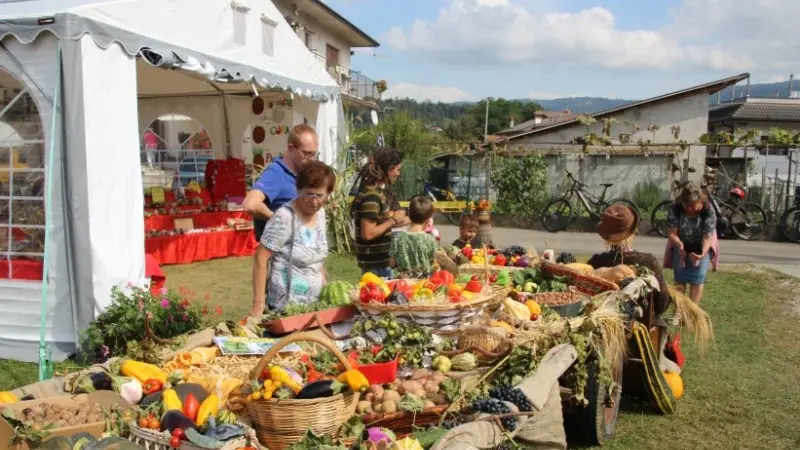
442	278
190	406
500	260
454	294
371	292
474	285
402	287
492	278
467	251
152	386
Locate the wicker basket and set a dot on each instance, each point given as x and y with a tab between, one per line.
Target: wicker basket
550	298
483	339
159	440
587	283
281	423
444	317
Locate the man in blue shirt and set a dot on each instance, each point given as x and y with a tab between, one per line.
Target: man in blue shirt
273	189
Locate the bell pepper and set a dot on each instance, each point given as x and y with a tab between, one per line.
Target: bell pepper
279	374
442	278
152	386
474	285
142	371
371	292
402	287
190	406
454	294
171	401
467	251
354	379
493	278
502	278
209	408
500	260
370	277
478	260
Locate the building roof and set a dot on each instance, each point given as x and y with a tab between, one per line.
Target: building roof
365	39
546	118
711	88
752	109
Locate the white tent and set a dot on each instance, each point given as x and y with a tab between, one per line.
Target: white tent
114	55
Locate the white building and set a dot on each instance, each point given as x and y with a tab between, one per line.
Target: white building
332	38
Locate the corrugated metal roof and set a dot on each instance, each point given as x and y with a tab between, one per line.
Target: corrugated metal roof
757	112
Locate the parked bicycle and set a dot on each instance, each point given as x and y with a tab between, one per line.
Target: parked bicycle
735	216
790	224
560	213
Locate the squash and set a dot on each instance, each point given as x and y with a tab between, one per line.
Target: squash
615	274
675	384
580	267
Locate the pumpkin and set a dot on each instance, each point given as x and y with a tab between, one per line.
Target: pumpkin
615	274
581	267
675	384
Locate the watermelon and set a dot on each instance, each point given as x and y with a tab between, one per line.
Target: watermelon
336	293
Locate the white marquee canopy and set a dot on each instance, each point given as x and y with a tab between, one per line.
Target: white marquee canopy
112	54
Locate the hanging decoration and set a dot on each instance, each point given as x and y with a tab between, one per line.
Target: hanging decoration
278	130
259	134
258	105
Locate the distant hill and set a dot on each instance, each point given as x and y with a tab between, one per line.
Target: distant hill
586	105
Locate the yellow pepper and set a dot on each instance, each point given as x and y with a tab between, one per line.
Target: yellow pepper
209	408
7	397
171	401
142	371
278	374
354	379
370	277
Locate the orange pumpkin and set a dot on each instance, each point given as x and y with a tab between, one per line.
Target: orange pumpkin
675	384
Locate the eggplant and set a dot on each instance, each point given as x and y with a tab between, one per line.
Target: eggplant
102	381
321	388
183	390
176	419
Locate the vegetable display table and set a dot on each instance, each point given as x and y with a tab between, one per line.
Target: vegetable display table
189	248
200	220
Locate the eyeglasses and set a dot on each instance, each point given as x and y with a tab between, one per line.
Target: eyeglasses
307	154
313	196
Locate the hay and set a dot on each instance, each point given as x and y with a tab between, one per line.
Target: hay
691	316
239	367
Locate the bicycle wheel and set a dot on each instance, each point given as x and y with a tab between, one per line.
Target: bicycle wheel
557	215
658	218
790	224
748	221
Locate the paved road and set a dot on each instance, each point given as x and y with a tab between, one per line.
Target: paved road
784	257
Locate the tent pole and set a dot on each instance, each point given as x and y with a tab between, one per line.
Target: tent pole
225	120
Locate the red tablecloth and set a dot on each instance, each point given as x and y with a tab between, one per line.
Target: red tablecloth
21	269
189	248
169	197
152	270
201	220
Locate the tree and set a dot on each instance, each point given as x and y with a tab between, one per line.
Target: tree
501	113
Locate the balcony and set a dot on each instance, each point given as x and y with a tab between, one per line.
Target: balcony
354	86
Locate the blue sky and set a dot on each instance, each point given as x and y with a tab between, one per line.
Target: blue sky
453	50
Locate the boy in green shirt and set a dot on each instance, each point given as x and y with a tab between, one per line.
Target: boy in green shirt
413	251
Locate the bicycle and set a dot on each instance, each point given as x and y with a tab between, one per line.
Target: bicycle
733	215
564	213
790	224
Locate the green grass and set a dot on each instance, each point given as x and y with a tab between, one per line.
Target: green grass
743	394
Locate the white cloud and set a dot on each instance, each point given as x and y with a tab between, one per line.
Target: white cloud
716	34
446	94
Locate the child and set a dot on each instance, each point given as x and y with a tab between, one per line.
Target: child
413	252
468	232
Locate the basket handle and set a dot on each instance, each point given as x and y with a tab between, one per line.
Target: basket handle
315	318
298	337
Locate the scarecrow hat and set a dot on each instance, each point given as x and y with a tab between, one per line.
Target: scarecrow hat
618	223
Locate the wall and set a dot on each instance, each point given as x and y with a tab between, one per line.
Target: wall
320	35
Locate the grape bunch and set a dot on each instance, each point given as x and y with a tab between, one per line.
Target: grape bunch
453	422
496	407
508	393
508	444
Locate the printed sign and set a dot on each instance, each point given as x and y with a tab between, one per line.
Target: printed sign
231	345
157	194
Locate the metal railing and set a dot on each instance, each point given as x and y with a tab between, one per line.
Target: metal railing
351	82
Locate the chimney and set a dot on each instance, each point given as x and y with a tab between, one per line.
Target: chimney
791	79
747	88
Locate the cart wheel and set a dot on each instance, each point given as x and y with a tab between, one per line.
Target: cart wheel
596	424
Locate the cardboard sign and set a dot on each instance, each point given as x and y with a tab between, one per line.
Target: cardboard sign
157	194
186	223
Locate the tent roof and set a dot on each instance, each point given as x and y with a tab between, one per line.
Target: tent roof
218	40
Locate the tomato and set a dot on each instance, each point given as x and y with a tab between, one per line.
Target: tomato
178	432
153	423
175	442
143	422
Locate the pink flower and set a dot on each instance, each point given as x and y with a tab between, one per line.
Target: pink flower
185	318
164	291
165	303
105	351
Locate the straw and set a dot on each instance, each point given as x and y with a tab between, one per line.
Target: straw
697	321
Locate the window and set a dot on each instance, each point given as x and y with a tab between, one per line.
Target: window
331	55
22	181
308	40
174	144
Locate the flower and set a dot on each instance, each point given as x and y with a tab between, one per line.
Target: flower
205	310
164	292
185	303
185	318
105	351
164	303
141	305
218	310
207	296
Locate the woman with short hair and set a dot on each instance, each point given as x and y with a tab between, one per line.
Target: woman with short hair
295	239
692	239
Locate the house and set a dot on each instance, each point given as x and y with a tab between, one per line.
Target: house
647	141
332	39
540	119
764	114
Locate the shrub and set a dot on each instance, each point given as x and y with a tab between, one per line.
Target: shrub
520	184
647	195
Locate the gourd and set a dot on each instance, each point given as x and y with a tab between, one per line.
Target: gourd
466	361
675	384
615	274
516	309
580	267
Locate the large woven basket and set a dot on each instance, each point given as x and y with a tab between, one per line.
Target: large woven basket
280	423
159	440
587	283
444	317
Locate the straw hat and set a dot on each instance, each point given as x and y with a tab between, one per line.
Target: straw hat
618	223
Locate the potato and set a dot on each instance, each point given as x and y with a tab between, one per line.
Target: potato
389	407
431	386
363	406
391	396
369	396
428	404
377	390
410	387
437	398
438	377
378	408
420	374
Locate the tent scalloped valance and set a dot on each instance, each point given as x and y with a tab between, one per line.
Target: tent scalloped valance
159	54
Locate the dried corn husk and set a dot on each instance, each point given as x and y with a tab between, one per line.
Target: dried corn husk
691	316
